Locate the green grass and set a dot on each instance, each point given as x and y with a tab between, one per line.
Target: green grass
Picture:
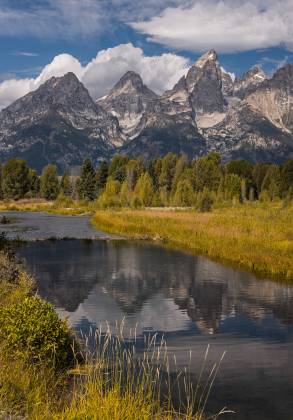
255	237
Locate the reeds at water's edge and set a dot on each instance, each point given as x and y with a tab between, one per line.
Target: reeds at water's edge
150	375
112	377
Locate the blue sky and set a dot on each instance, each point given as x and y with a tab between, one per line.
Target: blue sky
176	32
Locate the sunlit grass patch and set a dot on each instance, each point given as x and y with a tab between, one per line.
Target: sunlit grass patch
255	237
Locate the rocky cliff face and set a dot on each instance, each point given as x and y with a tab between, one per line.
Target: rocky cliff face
59	122
153	125
128	101
227	84
260	127
204	85
251	117
248	83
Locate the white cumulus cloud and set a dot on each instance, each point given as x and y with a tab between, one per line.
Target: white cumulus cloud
99	75
225	25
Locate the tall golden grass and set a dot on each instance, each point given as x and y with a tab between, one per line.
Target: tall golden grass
256	237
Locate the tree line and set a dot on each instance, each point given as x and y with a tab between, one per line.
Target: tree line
168	181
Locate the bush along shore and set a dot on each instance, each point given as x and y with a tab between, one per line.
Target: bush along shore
47	374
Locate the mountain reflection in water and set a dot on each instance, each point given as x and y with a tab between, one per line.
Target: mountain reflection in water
192	301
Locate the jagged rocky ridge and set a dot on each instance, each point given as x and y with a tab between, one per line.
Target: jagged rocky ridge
250	117
60	123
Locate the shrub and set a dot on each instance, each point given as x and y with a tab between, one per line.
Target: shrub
32	330
9	269
63	200
205	201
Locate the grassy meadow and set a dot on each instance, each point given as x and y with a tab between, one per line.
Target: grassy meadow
255	237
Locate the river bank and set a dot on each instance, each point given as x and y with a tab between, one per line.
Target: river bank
257	237
253	237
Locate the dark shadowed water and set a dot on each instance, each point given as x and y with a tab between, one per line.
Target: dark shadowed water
192	301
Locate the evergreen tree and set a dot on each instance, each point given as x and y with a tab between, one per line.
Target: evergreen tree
49	182
101	176
117	169
167	172
154	170
66	186
242	168
87	181
34	183
207	172
15	179
286	177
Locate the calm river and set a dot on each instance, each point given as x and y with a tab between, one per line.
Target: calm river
191	300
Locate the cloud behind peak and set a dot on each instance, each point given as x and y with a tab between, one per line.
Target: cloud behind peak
226	25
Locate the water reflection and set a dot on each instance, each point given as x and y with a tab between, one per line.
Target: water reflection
192	300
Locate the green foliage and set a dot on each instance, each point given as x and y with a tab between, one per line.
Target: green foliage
272	182
101	176
184	195
154	169
144	189
165	181
34	183
32	330
258	174
207	172
286	177
87	181
15	179
66	186
125	195
63	201
230	186
180	169
117	169
1	178
204	201
110	196
167	171
134	169
49	182
242	168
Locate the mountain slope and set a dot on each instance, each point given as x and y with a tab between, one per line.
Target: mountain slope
248	82
152	125
128	101
250	117
59	122
261	126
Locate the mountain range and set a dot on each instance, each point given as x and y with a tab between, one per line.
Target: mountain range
247	117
